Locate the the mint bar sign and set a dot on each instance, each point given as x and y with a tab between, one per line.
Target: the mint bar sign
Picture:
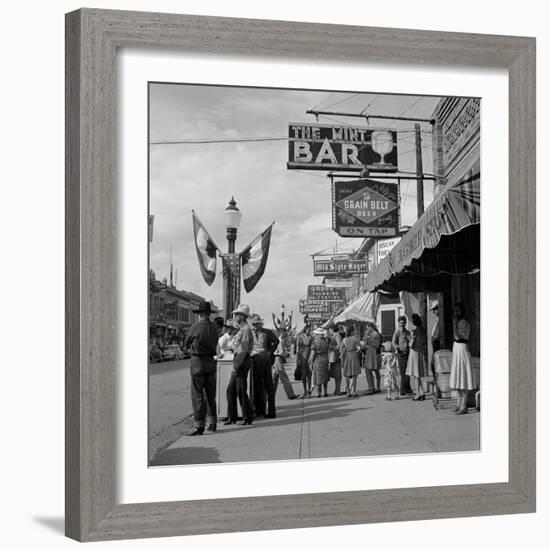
332	147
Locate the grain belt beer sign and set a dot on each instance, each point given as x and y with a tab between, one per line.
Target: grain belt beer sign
319	307
333	147
322	292
365	208
339	265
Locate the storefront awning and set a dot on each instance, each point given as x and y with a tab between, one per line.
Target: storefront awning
444	241
362	309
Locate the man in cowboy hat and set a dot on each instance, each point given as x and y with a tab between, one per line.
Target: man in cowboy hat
201	341
236	388
263	357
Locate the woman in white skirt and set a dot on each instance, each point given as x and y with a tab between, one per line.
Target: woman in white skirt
416	364
462	376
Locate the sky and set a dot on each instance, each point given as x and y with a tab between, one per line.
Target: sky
204	176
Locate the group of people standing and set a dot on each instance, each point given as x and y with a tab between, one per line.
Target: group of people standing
339	353
321	354
255	349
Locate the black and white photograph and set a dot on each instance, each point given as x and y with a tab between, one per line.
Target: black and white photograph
314	274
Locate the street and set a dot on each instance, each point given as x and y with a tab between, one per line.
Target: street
169	402
309	428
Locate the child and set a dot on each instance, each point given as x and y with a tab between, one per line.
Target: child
391	370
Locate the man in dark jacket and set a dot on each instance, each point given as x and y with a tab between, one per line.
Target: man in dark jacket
201	341
263	357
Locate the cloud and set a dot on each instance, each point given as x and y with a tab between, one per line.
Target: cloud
204	177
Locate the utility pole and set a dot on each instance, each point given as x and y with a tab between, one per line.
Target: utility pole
419	211
419	172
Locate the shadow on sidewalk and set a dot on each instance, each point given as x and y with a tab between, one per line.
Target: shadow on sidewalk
287	418
313	401
186	455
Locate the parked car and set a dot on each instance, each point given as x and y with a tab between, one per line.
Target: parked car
155	355
172	353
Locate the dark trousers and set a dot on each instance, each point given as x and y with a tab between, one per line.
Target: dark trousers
203	390
404	379
263	385
236	389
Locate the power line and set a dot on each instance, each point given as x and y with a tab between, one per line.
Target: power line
407	109
228	140
325	99
340	101
373	100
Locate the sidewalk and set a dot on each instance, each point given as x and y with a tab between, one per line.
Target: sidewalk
332	427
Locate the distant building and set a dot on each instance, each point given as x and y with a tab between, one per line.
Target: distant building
170	311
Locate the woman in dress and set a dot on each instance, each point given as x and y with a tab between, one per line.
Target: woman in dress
335	364
351	365
371	359
391	370
319	361
416	364
462	376
302	350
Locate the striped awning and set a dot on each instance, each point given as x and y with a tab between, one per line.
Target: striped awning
436	231
363	309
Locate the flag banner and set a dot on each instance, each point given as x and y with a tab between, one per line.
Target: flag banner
254	259
206	251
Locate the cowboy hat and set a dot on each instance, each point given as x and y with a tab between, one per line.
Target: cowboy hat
243	309
204	307
255	319
320	331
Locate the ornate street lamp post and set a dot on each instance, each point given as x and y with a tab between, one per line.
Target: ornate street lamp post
253	258
231	260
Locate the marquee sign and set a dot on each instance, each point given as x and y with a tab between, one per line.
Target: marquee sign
319	307
333	147
336	266
323	292
365	208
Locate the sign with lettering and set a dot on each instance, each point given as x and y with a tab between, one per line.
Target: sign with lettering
332	266
317	319
170	309
383	247
323	292
333	147
338	282
320	307
365	208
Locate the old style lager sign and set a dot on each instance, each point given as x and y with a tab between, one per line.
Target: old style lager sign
319	307
365	208
333	147
339	265
322	292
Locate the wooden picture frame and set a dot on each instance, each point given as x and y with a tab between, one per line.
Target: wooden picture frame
92	39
